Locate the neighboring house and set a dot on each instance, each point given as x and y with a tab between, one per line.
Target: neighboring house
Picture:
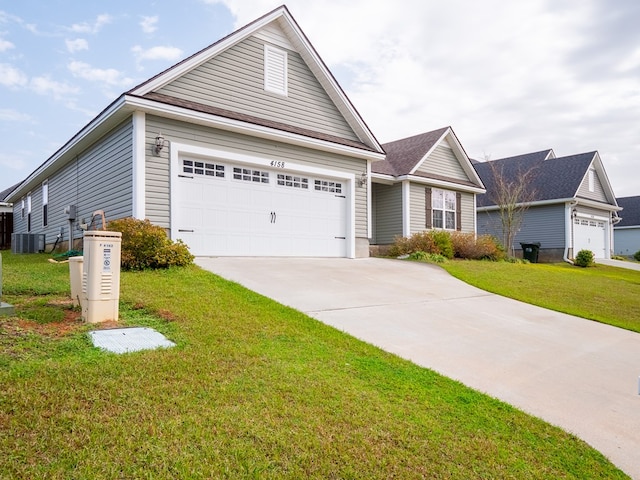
6	220
573	206
249	147
627	231
426	182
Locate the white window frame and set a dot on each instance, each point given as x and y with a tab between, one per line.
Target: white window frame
444	202
45	203
29	212
275	70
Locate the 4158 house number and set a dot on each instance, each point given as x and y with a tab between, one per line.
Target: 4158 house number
277	164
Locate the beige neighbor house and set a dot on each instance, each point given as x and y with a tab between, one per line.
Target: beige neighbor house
426	182
248	147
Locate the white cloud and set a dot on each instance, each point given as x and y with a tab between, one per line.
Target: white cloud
95	27
5	45
44	85
10	115
10	76
76	45
108	76
156	53
149	24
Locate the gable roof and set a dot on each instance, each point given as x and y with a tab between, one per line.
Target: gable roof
631	213
143	99
6	192
296	37
552	178
404	156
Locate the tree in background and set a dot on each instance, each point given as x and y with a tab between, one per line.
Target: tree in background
512	192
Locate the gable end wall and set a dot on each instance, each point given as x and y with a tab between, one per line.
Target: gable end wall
234	80
443	162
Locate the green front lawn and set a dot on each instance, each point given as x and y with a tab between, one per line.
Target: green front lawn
606	294
252	390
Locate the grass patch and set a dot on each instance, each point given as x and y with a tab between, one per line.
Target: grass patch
602	293
255	390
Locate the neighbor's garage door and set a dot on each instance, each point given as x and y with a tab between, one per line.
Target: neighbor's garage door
235	210
589	235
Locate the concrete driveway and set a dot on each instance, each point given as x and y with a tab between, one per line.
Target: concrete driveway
580	375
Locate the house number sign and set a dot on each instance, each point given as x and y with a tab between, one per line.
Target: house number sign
277	164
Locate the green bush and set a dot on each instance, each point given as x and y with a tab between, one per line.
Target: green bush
472	247
584	258
427	257
637	255
146	246
431	241
448	245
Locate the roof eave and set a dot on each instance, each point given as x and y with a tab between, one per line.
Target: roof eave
224	123
441	183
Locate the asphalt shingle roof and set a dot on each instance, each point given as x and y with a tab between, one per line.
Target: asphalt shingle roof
631	211
403	155
4	193
551	179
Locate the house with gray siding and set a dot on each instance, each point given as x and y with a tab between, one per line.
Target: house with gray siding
627	232
571	205
426	182
248	147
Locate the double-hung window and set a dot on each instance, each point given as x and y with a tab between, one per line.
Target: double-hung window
443	209
45	203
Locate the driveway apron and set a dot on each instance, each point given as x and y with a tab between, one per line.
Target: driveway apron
580	375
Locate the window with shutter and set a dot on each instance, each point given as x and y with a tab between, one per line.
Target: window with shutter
275	70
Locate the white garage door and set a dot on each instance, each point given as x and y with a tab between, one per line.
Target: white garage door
235	210
589	235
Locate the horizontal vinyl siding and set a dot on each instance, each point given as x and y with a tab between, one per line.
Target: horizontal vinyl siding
418	208
627	241
468	213
158	175
582	210
234	80
443	162
544	224
388	212
598	193
98	179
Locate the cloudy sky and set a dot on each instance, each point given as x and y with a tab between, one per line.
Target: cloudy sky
509	77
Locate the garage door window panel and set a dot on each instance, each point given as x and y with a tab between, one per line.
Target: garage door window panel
327	186
250	175
293	181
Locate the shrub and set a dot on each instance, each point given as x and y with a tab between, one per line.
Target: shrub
472	247
584	258
637	255
427	257
432	241
146	246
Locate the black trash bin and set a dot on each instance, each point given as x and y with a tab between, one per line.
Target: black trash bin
530	251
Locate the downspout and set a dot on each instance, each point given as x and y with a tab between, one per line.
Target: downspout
569	236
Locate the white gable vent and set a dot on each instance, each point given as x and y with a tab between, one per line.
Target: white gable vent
275	70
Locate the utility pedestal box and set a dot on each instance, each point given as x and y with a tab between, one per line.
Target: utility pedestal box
101	276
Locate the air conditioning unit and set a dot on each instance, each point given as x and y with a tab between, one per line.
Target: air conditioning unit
27	242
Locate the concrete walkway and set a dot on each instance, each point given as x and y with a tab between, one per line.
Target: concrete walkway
619	263
580	375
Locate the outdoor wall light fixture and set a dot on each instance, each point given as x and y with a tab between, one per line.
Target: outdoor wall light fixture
363	179
160	141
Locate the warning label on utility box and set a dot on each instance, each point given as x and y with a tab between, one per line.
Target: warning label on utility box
106	260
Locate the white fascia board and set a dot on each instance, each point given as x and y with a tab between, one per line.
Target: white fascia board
92	127
381	178
443	184
628	227
541	203
574	201
326	78
223	123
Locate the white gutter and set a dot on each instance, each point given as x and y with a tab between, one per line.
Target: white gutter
578	201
